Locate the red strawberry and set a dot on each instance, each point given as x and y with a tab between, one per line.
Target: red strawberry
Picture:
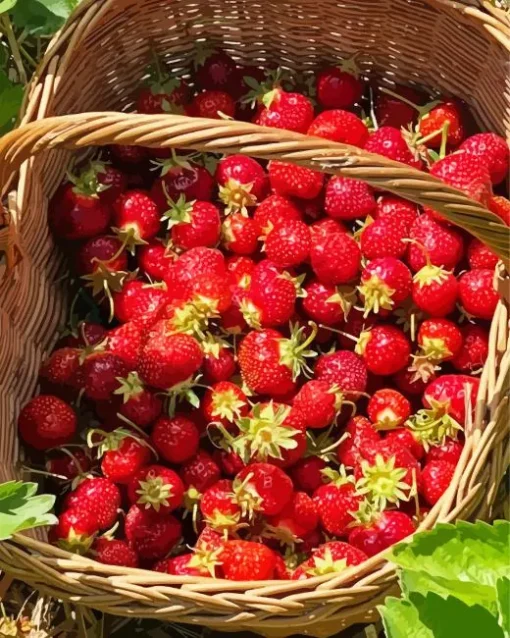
193	224
217	71
291	111
289	180
168	359
219	507
184	565
112	182
86	334
447	394
200	471
240	268
240	234
98	496
275	209
219	365
137	299
404	437
229	462
385	349
443	246
155	258
69	464
359	430
288	244
264	488
129	156
99	375
343	369
339	126
397	209
435	119
389	142
383	238
450	452
474	351
181	177
176	440
379	530
500	206
224	402
325	303
329	558
76	212
123	456
297	519
75	531
435	290
152	535
136	218
307	473
162	96
477	294
156	487
114	552
392	111
125	342
439	339
385	284
388	409
335	258
103	250
337	88
326	226
493	150
140	405
271	297
335	502
242	182
481	256
46	422
436	478
319	403
245	560
212	104
347	198
407	383
61	366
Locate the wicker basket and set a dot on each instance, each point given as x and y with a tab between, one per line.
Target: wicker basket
96	63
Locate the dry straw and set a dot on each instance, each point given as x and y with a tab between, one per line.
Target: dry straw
95	65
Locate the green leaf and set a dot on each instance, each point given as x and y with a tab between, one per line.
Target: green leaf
37	18
11	96
7	5
503	589
60	8
401	620
21	509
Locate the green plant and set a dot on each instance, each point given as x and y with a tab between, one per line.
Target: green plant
21	509
455	581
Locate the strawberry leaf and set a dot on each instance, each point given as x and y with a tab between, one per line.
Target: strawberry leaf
7	5
21	509
401	619
503	589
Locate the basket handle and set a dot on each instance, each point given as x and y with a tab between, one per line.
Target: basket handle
230	136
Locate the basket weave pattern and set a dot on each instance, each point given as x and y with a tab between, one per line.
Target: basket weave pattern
95	64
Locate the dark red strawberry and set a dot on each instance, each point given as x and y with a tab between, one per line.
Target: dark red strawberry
339	87
103	250
307	473
339	126
114	552
343	369
61	366
297	519
99	375
139	405
156	487
477	294
175	439
69	464
76	212
200	472
212	104
152	535
155	258
181	177
390	110
216	71
379	530
474	351
347	198
47	422
219	364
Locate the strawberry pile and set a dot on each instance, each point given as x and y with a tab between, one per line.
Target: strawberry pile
267	372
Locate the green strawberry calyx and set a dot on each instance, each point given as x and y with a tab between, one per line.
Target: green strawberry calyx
294	352
237	197
154	492
382	482
432	426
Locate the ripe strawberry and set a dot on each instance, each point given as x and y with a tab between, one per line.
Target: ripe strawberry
408	384
156	487
436	477
385	349
276	209
329	558
219	507
389	142
447	395
343	369
217	71
383	238
385	284
61	366
288	244
99	375
245	560
388	409
347	198
500	206
477	294
289	180
397	209
140	405
137	299
162	95
152	535
297	519
86	334
175	439
405	437
441	245
270	299
474	351
219	366
325	303
129	157
493	150
240	269
123	456
103	250
359	430
46	422
74	531
111	181
392	111
211	293
435	119
335	503
97	496
224	402
229	462
291	111
181	177
76	212
242	182
379	530
335	258
319	402
155	258
435	290
339	126
193	224
307	473
183	565
481	256
264	488
240	234
439	339
114	552
69	464
135	217
326	226
125	342
337	88
200	471
212	104
450	452
169	359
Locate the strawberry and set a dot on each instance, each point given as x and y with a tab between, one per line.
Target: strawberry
61	366
229	462
330	558
383	238
86	334
325	303
385	349
439	339
500	206
434	244
98	496
219	507
379	530
339	126
264	488
389	142
240	234
125	342
271	297
448	394
288	244
217	71
477	294
297	519
212	104
193	223
242	182
219	365
240	269
450	451
194	262
129	157
74	531
151	534
434	121
200	471
385	284
289	180
46	422
245	560
354	325
474	350
156	487
335	258
175	439
136	218
276	209
359	430
123	456
493	150
326	226
404	437
270	363
69	464
347	198
388	409
407	382
162	96
137	299
139	405
155	258
224	402
337	88
99	375
397	209
114	552
181	177
390	110
435	290
184	565
480	256
319	402
169	359
291	111
103	250
436	477
111	181
344	370
77	212
307	473
335	502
